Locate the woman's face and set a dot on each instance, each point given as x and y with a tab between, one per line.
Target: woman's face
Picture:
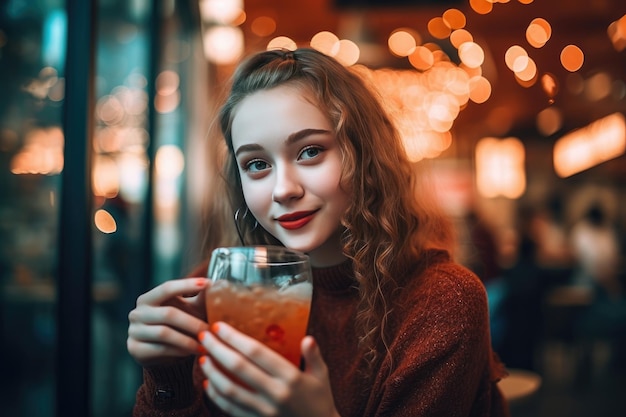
290	168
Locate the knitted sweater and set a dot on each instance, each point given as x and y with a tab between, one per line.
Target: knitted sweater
440	361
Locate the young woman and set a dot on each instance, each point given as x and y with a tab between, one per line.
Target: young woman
396	328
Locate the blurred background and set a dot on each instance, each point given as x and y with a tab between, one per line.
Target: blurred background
105	161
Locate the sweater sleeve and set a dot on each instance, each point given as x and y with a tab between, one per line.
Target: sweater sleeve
171	390
174	389
443	362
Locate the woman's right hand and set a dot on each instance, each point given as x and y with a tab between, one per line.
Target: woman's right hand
166	321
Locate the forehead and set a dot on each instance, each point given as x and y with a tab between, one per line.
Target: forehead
276	113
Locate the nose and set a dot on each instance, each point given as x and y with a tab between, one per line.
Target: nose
286	185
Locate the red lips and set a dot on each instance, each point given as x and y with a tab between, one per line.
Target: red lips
296	220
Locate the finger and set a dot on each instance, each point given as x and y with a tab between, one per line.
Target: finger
169	316
313	360
231	396
201	297
165	335
256	352
193	305
150	353
171	289
239	364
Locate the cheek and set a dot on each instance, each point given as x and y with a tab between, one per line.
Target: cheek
344	200
257	198
332	193
327	183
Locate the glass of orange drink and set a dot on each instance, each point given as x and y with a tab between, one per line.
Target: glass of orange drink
264	292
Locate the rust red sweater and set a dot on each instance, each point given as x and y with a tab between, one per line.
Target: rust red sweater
440	362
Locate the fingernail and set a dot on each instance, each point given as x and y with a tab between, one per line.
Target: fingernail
200	282
201	335
205	384
202	350
202	360
215	327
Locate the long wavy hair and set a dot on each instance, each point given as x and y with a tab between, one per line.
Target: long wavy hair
392	218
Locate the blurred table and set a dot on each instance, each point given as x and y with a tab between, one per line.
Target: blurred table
570	296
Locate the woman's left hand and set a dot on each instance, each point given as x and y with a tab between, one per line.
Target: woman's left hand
266	383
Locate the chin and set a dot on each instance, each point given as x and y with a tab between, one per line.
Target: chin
301	245
300	248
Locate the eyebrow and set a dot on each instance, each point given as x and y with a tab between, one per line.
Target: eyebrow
291	139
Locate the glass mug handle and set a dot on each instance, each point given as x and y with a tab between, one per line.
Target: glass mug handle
231	266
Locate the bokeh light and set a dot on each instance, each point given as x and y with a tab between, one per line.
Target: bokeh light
324	42
402	42
282	42
221	11
346	52
549	121
591	145
422	58
598	86
538	32
481	6
480	89
513	55
223	44
460	36
454	19
617	33
42	152
471	54
572	58
550	85
263	26
104	221
438	28
500	167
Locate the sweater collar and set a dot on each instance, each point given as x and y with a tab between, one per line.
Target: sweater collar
340	278
335	278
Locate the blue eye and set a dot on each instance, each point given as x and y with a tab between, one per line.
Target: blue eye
310	152
256	165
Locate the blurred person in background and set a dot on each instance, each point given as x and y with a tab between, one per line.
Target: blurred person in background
599	267
522	290
595	247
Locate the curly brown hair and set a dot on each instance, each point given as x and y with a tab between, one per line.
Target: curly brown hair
391	220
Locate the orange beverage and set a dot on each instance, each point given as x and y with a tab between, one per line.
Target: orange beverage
264	292
274	318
